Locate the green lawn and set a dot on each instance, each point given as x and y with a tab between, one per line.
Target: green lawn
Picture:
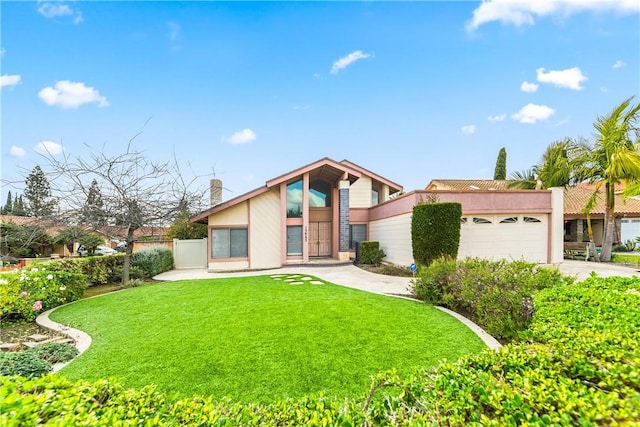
257	339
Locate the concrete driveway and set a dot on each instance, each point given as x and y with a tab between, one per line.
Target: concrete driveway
583	269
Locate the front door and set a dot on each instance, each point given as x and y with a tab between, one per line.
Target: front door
319	239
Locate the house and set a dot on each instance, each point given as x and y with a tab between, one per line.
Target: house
322	209
575	200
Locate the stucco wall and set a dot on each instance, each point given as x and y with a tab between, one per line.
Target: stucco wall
235	215
264	232
360	193
394	235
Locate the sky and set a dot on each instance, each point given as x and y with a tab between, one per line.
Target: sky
248	91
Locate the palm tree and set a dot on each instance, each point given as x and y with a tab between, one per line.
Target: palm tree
613	159
555	169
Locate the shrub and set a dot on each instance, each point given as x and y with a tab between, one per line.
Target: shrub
435	231
370	252
153	261
27	292
98	270
55	352
24	363
495	294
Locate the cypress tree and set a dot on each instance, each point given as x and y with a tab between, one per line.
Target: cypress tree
7	209
500	171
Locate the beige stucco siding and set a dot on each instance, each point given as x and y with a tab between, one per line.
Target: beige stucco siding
264	233
394	235
235	215
228	265
360	193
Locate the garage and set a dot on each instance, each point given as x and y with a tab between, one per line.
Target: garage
522	236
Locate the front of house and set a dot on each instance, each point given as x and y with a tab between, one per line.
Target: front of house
320	211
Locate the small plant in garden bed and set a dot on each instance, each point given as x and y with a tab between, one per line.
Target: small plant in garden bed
37	361
387	269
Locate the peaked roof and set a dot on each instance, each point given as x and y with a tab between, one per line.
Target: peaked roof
575	198
325	168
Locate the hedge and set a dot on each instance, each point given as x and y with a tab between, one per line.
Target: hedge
153	260
435	231
98	270
370	252
579	365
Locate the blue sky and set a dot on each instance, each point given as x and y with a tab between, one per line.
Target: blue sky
413	91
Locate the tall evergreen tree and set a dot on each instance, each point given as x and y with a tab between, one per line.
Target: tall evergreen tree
7	209
38	194
18	206
93	210
500	171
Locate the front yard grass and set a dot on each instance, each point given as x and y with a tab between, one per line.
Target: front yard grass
258	339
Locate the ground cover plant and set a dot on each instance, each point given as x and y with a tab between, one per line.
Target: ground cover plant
578	364
258	339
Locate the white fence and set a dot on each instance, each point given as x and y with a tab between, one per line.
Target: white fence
190	253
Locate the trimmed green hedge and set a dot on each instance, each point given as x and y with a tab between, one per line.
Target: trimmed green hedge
99	270
153	261
370	252
579	365
435	231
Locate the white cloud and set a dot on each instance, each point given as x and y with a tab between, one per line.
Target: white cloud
532	113
498	118
468	129
48	147
9	80
520	13
301	107
67	94
52	10
604	89
17	151
619	64
242	137
345	61
528	87
174	31
569	78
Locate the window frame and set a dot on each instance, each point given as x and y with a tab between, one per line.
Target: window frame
231	231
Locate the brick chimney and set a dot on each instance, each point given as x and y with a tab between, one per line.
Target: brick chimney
215	187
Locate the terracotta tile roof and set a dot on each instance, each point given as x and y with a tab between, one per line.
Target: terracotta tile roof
467	184
575	199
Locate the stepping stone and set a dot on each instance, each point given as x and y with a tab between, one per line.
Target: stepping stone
277	276
316	282
61	340
9	346
296	283
38	337
306	278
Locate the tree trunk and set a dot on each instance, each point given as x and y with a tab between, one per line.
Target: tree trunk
607	242
127	256
593	253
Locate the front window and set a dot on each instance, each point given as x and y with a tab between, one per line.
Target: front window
357	233
294	199
294	240
319	194
229	243
375	196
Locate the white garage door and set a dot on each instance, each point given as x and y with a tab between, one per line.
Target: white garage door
505	236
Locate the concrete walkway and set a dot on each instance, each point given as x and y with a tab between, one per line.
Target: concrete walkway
583	269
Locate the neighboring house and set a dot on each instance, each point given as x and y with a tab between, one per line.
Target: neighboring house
575	200
322	209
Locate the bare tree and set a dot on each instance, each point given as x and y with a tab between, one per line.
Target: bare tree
135	192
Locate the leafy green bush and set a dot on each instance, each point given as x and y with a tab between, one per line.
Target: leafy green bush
370	252
435	231
495	294
27	292
153	261
55	352
24	363
98	270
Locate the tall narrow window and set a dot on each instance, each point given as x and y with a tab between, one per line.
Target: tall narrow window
294	240
375	196
357	233
319	194
294	199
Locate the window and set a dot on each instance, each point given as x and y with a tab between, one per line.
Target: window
357	233
294	199
229	243
375	196
510	220
319	194
463	220
294	240
530	219
477	220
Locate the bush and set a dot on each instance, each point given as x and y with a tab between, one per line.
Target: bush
498	295
55	352
27	292
435	231
153	261
370	253
24	363
97	270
